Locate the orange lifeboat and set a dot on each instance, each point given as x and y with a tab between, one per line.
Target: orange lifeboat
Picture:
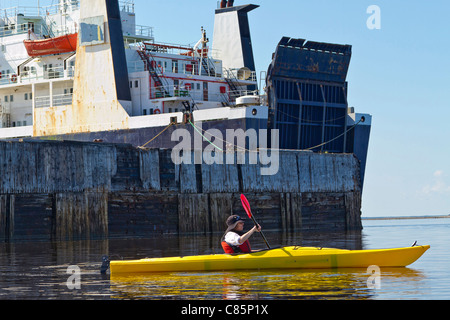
57	45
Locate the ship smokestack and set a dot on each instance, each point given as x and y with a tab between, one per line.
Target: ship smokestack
223	4
232	37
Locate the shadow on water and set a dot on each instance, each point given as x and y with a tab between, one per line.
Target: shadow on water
39	271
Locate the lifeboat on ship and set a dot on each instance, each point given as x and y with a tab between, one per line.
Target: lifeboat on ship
56	45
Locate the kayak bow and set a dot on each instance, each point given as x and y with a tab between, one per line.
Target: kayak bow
280	258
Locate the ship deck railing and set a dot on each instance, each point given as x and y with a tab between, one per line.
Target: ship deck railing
188	93
173	92
126	6
57	100
144	31
177	49
185	93
28	77
36	11
13	29
37	31
179	69
238	74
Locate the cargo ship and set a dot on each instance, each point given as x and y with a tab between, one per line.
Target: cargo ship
85	71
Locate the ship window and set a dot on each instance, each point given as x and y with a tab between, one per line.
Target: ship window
151	111
26	96
136	84
19	123
175	66
6	98
144	112
24	123
131	84
11	98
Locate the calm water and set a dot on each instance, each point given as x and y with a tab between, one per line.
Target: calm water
39	270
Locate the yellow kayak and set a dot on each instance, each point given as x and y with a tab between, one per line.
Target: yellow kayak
280	258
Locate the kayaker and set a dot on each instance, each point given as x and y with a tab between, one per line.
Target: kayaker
235	240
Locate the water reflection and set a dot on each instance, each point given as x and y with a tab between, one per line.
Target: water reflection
237	286
287	285
39	271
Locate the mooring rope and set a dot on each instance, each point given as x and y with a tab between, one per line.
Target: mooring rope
325	143
196	129
171	124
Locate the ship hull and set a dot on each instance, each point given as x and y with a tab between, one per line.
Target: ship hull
161	136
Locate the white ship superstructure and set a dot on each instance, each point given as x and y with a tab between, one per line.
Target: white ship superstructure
37	80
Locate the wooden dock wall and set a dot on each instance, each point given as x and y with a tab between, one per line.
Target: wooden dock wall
72	190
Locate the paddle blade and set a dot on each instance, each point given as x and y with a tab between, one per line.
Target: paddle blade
246	205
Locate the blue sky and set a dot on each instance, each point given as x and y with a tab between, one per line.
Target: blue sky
399	74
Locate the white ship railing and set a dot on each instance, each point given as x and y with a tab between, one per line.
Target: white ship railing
13	29
144	31
38	11
58	100
126	6
31	76
37	31
172	92
165	92
184	68
234	74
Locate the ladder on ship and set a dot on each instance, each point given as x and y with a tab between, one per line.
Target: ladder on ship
232	80
5	117
206	65
189	106
151	68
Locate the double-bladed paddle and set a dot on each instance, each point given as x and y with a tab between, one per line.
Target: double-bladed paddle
247	208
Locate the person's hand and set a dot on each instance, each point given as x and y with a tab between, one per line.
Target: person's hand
257	228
